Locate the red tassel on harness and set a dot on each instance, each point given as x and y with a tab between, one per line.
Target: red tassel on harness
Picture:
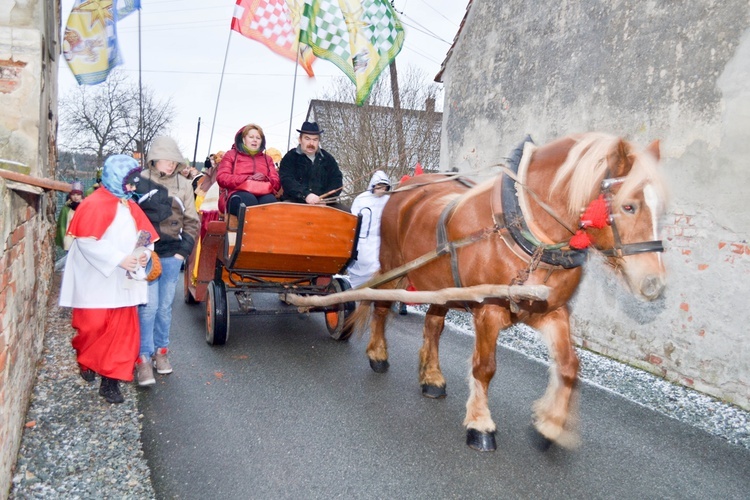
596	214
580	240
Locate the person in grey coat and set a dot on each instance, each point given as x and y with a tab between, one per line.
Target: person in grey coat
167	199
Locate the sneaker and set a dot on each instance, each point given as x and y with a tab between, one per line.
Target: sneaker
161	363
110	390
144	372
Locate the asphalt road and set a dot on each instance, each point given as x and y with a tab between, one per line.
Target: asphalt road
283	411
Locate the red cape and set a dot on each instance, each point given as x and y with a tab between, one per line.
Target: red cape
97	211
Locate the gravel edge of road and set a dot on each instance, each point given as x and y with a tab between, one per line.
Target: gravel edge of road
75	445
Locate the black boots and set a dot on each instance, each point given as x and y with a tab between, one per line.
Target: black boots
110	390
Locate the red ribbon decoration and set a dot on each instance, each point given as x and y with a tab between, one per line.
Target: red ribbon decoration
596	215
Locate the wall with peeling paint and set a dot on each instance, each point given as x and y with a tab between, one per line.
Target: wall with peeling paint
28	125
678	71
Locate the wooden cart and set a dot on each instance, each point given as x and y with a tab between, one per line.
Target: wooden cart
279	248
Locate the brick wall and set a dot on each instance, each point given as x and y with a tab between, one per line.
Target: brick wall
29	53
26	267
642	70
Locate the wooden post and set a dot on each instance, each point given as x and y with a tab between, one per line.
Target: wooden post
35	181
399	119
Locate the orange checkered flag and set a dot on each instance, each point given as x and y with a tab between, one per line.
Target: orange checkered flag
275	24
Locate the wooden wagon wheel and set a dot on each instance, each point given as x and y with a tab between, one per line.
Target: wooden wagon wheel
337	315
217	313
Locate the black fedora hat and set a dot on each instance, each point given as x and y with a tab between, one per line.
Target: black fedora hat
310	128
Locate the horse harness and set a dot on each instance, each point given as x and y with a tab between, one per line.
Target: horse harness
537	254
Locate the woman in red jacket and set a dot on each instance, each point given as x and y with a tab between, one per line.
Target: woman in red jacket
246	175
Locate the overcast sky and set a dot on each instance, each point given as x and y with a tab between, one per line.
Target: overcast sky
183	47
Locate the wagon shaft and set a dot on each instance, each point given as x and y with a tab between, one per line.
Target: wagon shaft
476	293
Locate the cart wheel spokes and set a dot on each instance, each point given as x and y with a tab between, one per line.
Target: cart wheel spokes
217	313
337	315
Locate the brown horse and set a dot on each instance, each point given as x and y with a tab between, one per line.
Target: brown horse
518	227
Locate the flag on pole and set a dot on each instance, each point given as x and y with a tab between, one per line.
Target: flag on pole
275	24
360	37
90	40
127	7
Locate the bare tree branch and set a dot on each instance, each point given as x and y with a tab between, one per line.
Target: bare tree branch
364	139
104	119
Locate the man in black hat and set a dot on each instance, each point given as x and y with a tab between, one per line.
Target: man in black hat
308	173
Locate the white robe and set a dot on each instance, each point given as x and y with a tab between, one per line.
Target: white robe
92	278
368	246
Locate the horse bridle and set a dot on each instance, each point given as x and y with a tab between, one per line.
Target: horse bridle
553	254
619	249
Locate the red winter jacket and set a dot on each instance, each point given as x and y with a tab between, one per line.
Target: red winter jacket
236	166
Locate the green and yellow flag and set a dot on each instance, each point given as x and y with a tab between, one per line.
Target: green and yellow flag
360	37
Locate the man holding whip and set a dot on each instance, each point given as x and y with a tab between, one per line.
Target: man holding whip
309	174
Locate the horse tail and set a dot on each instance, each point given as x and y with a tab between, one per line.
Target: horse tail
360	318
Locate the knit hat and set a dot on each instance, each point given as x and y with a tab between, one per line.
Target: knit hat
76	188
118	172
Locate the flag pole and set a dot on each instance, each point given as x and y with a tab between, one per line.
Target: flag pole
197	135
140	94
294	91
218	94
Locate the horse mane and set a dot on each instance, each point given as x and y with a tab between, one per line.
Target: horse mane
588	162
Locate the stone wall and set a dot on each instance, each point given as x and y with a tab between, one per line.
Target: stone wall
28	123
678	71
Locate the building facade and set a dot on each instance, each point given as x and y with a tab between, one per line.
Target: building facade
29	52
674	71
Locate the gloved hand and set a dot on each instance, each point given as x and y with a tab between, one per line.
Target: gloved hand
258	177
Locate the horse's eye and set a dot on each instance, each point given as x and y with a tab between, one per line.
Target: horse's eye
628	209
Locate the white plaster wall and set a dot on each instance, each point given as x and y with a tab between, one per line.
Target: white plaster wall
674	71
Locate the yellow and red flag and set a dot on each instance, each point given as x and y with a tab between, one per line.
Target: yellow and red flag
90	40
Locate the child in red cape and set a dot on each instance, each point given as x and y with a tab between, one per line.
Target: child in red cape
103	278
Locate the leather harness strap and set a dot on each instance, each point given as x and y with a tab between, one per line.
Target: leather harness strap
445	246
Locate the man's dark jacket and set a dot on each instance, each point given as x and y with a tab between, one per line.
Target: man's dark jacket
300	176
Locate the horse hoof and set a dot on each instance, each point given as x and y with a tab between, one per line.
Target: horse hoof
538	440
433	391
481	441
379	366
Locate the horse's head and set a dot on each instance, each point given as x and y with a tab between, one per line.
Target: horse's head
635	196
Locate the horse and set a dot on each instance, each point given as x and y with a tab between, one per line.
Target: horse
524	226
